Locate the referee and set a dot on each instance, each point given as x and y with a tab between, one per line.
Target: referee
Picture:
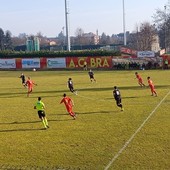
41	112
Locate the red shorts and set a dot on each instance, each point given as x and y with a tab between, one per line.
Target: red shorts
69	109
30	88
152	88
140	80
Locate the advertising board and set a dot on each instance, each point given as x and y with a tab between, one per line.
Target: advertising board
146	54
7	63
30	63
56	63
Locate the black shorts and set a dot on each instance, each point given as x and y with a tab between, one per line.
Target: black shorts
71	88
91	76
118	101
23	81
41	113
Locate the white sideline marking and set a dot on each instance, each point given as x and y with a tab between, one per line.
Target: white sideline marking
131	138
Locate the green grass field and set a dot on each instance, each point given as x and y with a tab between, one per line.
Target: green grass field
100	132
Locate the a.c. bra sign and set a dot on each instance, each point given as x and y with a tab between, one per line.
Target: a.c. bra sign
92	62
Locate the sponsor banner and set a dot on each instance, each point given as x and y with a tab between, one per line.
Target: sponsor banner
146	54
92	62
56	63
31	63
7	63
128	51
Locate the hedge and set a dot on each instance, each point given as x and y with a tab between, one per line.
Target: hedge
39	54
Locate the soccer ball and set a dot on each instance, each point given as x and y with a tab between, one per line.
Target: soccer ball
33	69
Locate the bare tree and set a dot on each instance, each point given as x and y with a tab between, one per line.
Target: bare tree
147	36
2	39
143	38
79	35
8	41
103	39
162	22
43	40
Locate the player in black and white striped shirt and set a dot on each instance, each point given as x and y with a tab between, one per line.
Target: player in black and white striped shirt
117	97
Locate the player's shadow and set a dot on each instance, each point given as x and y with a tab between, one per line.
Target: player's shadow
123	88
10	95
9	123
20	130
139	88
58	92
30	122
28	129
10	88
130	97
162	86
56	120
109	88
19	94
60	114
99	112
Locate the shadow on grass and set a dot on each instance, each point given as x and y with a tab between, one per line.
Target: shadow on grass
19	122
28	129
24	94
131	97
69	119
20	130
123	88
128	97
3	95
30	122
12	88
60	114
99	112
29	167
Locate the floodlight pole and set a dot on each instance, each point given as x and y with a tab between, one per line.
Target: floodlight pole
67	27
165	27
124	23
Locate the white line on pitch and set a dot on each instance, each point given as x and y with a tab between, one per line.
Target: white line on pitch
132	137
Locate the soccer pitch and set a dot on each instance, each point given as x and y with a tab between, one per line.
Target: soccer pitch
102	137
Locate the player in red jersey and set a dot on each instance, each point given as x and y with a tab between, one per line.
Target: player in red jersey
152	87
30	84
69	105
140	81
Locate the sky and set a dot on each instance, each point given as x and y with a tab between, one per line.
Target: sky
48	16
